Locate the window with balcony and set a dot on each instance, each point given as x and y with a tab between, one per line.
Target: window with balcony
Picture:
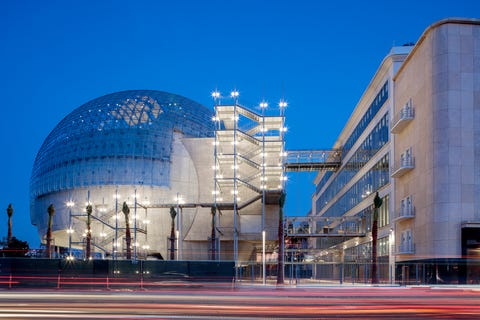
403	118
406	163
406	210
406	243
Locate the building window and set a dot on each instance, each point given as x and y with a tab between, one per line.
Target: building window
406	241
406	157
370	146
383	214
377	103
383	247
406	207
374	179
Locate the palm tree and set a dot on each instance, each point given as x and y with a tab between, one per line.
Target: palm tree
89	232
213	211
9	213
173	214
128	237
51	212
377	203
280	267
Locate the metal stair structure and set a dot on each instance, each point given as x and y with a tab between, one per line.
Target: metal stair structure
248	159
111	234
250	166
249	151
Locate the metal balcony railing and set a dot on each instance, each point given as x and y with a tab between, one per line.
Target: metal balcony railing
405	248
403	166
405	213
400	120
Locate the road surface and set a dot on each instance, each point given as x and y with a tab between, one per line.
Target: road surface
217	302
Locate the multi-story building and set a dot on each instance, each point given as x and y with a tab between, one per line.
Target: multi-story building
414	137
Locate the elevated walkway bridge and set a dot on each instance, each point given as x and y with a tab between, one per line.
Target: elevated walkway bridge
312	160
318	226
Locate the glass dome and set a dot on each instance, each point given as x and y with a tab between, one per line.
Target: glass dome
124	138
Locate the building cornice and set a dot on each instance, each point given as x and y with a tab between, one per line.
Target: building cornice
470	21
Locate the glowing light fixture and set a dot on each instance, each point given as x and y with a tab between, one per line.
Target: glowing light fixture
179	199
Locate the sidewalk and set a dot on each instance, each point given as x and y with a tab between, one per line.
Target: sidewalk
315	283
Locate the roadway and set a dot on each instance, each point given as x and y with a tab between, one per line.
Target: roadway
244	302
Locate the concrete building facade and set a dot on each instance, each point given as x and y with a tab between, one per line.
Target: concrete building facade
424	165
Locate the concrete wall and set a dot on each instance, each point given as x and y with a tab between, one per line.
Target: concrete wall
442	78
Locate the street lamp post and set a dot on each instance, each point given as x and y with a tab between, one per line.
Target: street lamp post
215	250
70	204
135	227
234	94
263	105
264	269
115	243
179	227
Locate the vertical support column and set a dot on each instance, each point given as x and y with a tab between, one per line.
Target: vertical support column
135	244
391	254
70	229
215	252
282	105
70	204
146	247
88	247
234	95
263	105
115	241
180	232
179	228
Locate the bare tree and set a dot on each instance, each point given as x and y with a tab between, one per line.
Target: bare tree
173	214
128	237
51	213
281	239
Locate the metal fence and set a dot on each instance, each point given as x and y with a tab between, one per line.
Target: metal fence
61	273
454	271
107	274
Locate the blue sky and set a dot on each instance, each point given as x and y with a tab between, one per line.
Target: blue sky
319	55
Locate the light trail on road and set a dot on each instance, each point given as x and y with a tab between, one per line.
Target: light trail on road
245	303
